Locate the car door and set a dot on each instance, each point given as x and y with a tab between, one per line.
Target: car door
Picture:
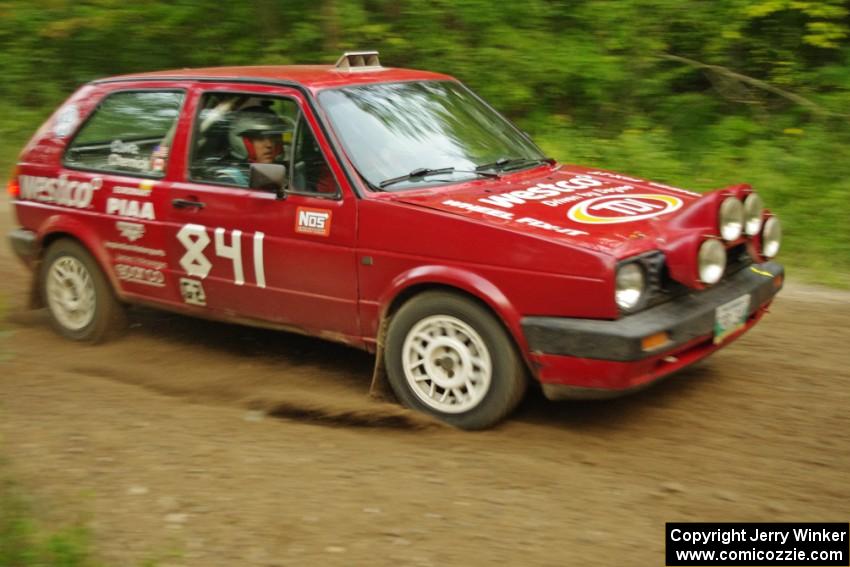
243	253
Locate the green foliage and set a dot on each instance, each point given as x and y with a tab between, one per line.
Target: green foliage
591	79
22	544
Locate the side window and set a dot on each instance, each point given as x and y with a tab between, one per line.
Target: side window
310	171
232	131
129	132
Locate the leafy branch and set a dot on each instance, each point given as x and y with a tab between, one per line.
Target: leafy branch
727	73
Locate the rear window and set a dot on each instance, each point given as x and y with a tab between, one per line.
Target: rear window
128	133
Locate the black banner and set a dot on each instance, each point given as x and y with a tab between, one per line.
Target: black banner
761	544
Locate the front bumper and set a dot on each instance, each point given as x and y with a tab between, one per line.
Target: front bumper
592	358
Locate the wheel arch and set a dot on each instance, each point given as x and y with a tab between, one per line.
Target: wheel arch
467	284
62	227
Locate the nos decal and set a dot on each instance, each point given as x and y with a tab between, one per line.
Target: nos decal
617	208
313	221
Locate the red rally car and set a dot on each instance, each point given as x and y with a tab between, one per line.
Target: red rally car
388	209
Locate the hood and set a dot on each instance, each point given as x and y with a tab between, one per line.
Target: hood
591	208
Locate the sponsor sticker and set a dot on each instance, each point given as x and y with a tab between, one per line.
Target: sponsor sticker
141	275
542	191
134	248
160	154
313	221
119	160
761	272
193	292
671	188
543	225
617	176
612	209
130	208
132	231
119	147
156	265
61	191
489	211
143	190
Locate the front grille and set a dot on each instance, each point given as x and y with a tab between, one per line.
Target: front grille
664	288
737	258
659	283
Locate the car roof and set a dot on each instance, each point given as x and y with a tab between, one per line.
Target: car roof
313	77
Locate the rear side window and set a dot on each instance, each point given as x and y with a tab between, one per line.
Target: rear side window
129	133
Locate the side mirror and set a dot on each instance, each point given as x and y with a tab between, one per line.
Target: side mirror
269	177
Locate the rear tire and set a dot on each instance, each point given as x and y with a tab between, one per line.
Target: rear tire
79	299
450	357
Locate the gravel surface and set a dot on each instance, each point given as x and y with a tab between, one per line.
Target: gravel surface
205	444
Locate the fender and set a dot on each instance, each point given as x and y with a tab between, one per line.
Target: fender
470	282
83	232
464	280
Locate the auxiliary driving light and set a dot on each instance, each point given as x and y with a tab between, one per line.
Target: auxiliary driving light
753	212
731	219
711	261
771	237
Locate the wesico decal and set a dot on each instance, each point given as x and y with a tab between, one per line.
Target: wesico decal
77	194
542	191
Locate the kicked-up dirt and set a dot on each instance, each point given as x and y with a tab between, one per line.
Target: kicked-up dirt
203	444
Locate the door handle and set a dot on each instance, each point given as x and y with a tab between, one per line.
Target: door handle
187	203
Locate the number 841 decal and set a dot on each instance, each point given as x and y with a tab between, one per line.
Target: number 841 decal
195	239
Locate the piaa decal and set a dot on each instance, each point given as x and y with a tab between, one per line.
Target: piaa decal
130	208
612	209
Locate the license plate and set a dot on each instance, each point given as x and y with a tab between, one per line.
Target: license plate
730	317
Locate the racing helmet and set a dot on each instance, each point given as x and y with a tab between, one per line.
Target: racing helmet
253	123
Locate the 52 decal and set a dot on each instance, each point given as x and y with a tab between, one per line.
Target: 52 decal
195	239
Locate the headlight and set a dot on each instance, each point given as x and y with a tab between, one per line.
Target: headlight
631	284
711	261
753	211
771	237
731	219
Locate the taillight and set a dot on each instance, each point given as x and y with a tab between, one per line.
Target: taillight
14	188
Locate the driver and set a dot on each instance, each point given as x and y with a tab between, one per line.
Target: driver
255	136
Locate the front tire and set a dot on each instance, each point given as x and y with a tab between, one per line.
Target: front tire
450	357
79	299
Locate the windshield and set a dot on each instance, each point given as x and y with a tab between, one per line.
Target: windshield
392	130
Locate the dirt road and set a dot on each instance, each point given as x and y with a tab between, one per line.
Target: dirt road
204	444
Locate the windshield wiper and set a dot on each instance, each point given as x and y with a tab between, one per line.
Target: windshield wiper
506	164
425	172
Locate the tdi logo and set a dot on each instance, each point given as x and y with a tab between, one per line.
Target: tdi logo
313	221
616	209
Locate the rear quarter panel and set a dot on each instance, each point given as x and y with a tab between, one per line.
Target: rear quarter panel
41	210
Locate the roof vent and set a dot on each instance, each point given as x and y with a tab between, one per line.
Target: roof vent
358	61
